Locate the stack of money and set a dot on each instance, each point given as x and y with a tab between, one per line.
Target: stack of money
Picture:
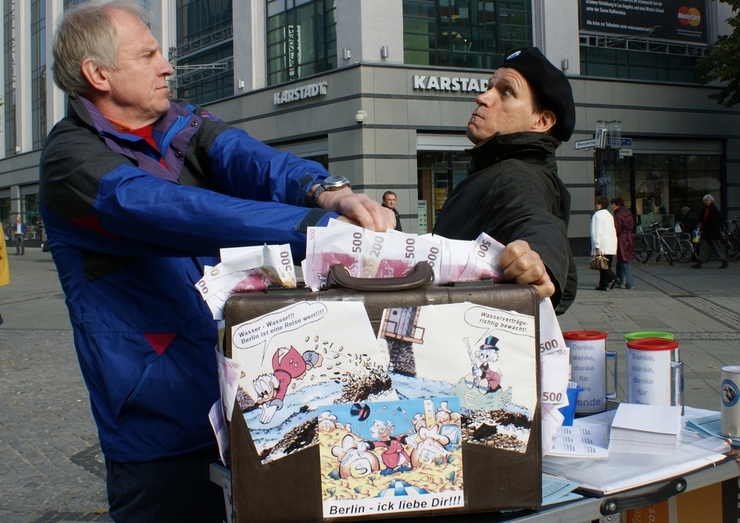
369	254
246	269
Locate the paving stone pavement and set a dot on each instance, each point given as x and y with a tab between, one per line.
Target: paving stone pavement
51	469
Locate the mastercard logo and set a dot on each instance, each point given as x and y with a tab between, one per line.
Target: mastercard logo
689	16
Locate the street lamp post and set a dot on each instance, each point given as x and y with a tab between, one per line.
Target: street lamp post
607	143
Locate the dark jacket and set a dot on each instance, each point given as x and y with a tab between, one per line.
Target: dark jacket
130	238
397	215
690	222
711	222
625	225
512	193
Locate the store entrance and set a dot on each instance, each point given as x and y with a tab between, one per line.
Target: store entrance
657	186
438	173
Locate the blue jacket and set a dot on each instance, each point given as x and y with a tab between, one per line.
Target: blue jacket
24	229
130	231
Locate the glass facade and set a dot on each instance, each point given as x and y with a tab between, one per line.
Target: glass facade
301	39
204	56
32	217
38	71
657	65
5	214
656	186
29	211
464	33
9	87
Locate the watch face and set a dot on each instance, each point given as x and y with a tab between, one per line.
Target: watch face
335	182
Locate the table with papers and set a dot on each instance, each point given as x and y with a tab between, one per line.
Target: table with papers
589	508
625	470
612	484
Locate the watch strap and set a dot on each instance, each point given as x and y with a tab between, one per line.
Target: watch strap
315	196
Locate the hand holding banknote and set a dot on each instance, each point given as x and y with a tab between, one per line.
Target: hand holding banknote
523	265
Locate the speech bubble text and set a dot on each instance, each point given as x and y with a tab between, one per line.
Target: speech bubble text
254	332
486	318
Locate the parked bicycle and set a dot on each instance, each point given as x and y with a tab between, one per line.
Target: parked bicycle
681	246
663	242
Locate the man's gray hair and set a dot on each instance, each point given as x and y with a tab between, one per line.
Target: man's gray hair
708	198
87	31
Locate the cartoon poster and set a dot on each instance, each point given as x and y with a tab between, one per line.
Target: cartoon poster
389	457
301	356
487	357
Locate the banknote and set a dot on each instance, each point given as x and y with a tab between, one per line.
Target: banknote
369	254
245	269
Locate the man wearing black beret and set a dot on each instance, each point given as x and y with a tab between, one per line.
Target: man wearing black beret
513	191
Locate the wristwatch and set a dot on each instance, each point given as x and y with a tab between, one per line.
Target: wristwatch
332	183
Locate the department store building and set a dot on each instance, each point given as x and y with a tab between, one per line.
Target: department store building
380	91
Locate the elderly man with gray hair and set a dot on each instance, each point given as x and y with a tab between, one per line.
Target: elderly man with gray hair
711	238
138	194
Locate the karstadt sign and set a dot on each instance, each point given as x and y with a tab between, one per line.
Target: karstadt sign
300	93
446	83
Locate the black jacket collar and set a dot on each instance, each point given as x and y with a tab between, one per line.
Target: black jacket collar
502	146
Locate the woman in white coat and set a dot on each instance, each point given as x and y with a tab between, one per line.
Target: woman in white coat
604	241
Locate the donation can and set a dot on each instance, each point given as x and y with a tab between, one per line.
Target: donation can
654	372
588	357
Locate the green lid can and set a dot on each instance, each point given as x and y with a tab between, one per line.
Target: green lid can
632	336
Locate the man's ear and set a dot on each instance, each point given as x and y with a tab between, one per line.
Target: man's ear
95	75
544	122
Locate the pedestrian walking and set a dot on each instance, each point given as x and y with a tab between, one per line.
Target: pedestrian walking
19	231
604	241
690	220
711	237
625	226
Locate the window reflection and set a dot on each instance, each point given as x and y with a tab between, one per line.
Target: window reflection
657	186
301	39
464	33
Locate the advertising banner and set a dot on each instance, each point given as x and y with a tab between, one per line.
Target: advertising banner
678	20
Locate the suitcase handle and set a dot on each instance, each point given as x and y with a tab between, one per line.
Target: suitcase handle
339	276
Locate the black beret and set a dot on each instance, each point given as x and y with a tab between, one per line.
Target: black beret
551	87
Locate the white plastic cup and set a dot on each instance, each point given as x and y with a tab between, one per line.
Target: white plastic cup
730	394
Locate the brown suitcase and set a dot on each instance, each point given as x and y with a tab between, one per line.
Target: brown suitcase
289	489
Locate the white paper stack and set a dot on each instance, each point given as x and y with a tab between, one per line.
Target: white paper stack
645	429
